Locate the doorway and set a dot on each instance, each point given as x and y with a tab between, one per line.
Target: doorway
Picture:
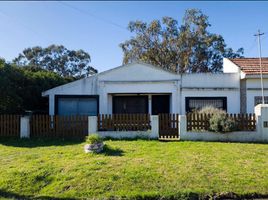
160	104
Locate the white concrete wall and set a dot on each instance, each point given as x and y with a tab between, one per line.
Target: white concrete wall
82	86
85	86
209	80
133	78
254	89
260	135
261	112
241	136
127	134
142	78
137	72
229	66
146	88
256	83
233	98
212	85
150	134
25	127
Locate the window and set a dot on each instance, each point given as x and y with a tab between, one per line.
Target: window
197	103
130	104
77	105
258	100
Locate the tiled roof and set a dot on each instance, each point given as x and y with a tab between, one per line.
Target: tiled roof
251	66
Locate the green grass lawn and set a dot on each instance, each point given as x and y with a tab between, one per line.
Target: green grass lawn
131	169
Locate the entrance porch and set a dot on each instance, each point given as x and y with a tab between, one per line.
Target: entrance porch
153	104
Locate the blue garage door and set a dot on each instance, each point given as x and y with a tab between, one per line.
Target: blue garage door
77	106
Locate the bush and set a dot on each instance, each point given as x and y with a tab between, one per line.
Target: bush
211	110
93	139
219	122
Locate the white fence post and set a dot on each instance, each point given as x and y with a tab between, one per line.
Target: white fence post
155	126
182	126
92	124
261	112
25	127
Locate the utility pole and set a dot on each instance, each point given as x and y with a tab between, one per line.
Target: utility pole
259	34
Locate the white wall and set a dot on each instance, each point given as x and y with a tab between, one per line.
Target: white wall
137	72
259	135
142	78
82	86
209	80
136	78
212	85
233	98
256	83
85	86
251	99
152	134
141	88
254	89
229	66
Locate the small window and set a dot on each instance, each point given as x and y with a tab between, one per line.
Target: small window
197	103
258	100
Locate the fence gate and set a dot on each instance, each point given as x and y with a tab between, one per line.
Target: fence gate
168	126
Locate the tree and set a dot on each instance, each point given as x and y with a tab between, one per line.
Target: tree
189	47
57	58
21	88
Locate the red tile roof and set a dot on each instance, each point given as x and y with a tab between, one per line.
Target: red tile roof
251	66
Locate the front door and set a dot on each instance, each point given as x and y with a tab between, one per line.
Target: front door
160	104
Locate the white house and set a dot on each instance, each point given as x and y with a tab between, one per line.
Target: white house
143	88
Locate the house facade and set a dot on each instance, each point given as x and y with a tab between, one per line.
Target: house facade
143	88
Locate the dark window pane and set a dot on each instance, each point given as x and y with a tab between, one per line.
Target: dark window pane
258	100
130	104
197	103
77	106
67	106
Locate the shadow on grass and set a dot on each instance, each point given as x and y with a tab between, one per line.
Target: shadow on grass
130	139
109	151
186	196
11	195
39	142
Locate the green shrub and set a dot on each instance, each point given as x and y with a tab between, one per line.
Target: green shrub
93	138
229	125
219	122
211	110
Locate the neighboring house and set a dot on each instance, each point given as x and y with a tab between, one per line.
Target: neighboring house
250	83
144	88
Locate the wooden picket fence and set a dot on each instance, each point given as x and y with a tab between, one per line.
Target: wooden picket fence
58	126
245	122
9	125
124	122
168	126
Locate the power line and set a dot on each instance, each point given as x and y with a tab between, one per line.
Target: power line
18	22
259	34
93	15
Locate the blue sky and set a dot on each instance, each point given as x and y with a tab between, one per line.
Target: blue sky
98	27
